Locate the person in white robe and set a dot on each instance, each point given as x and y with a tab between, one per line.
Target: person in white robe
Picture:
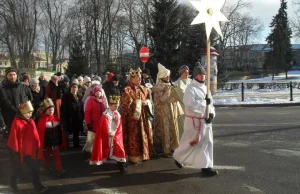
196	145
181	85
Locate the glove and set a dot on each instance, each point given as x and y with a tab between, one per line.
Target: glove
211	116
89	126
208	121
208	101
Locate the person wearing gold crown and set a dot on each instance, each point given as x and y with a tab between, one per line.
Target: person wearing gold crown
51	136
166	112
137	132
108	142
24	142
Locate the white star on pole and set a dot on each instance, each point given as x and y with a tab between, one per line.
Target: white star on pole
210	14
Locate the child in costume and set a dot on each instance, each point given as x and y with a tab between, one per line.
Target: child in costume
108	142
24	144
51	137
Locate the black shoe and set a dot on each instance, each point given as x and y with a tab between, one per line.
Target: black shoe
122	167
40	189
178	164
209	172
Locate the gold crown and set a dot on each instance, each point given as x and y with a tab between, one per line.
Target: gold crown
26	107
114	99
133	72
48	103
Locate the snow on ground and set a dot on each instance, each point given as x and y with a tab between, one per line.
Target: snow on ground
260	96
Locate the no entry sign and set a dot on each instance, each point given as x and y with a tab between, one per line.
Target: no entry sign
144	54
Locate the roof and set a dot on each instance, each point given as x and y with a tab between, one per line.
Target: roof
3	57
265	47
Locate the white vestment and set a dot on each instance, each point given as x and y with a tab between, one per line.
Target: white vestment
199	155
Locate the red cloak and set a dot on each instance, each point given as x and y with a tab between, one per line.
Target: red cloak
41	127
101	148
24	138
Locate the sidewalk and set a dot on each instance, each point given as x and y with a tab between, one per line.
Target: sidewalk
256	98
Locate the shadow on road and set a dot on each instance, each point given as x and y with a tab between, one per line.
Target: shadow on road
256	132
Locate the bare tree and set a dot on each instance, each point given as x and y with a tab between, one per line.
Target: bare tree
22	17
295	20
54	21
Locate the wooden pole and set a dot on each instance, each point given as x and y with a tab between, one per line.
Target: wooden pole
207	74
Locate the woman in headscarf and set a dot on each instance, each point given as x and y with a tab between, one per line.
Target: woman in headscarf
181	84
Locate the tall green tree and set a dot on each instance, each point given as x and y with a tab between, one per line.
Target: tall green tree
279	40
77	62
192	38
164	31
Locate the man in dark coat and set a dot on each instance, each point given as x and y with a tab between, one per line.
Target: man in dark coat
43	84
72	114
146	78
12	94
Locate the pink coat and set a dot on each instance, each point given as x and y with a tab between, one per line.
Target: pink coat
93	111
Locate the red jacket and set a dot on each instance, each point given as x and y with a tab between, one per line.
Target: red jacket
93	111
24	138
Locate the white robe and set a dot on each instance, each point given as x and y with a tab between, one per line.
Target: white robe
200	155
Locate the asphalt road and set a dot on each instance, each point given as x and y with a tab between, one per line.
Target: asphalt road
256	150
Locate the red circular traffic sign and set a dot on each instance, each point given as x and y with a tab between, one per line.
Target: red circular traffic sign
144	54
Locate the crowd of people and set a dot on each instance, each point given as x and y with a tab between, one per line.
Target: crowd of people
127	119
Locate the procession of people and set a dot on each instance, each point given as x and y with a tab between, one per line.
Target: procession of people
128	121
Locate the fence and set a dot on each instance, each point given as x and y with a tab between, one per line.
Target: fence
261	85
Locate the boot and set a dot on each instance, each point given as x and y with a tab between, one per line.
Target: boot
123	168
40	189
13	185
178	164
60	172
209	172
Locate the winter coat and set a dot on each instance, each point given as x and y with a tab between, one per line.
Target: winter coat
93	111
43	84
72	113
112	89
37	99
11	95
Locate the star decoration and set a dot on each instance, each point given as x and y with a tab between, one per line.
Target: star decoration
210	14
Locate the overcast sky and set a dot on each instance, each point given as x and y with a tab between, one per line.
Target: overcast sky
265	10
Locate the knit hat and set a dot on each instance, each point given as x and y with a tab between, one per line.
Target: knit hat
65	78
198	70
58	74
96	89
86	79
162	72
33	81
95	82
10	69
97	78
75	81
115	78
109	76
80	78
182	69
146	71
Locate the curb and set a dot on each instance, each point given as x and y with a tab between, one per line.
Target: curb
257	105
